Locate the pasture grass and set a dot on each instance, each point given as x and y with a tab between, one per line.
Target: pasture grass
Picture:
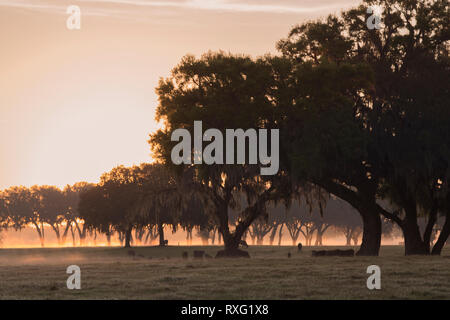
161	273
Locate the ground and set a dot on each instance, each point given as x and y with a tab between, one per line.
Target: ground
161	273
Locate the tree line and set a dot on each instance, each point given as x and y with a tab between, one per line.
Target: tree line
135	204
43	205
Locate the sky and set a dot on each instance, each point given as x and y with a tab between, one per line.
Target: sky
76	103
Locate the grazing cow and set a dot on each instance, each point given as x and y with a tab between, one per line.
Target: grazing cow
299	246
243	244
333	253
185	255
289	254
207	256
131	253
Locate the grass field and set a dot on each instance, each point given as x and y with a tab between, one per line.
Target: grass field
161	273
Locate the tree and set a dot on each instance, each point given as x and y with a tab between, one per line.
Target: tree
259	229
299	220
372	85
109	205
161	200
112	204
51	209
193	216
94	208
72	217
223	91
21	206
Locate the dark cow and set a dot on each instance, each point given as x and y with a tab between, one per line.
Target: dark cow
333	253
299	246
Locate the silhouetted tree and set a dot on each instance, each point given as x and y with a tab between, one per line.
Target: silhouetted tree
223	91
371	91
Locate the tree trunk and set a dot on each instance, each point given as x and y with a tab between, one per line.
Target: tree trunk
280	235
273	234
413	240
40	233
81	233
231	241
371	239
318	238
121	237
108	238
189	236
162	243
364	202
443	236
128	237
429	228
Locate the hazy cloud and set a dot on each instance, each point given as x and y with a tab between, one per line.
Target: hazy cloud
107	7
240	6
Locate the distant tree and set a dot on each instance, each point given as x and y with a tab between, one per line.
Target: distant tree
94	208
300	221
37	206
259	229
161	201
72	217
115	203
51	209
21	206
277	220
193	215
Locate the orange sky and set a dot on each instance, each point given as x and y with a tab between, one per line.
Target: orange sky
74	104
